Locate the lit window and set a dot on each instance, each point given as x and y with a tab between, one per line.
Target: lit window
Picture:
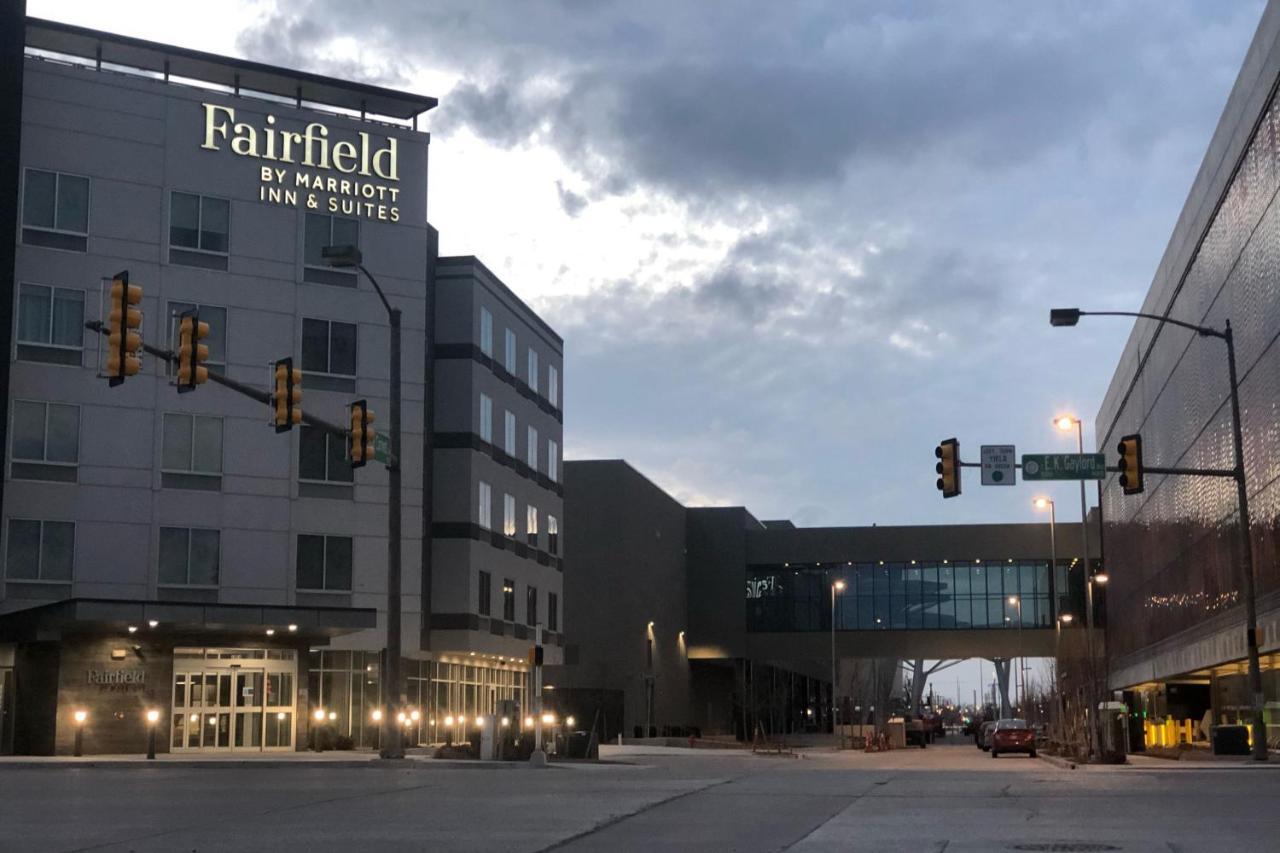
553	535
508	515
531	525
486	506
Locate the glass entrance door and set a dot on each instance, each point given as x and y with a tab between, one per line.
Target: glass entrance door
233	699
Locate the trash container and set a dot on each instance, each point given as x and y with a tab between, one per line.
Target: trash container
1230	740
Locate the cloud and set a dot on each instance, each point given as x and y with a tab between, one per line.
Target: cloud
793	245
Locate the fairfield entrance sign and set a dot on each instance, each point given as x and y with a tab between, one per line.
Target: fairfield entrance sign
367	193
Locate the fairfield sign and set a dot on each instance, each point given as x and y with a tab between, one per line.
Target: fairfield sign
368	192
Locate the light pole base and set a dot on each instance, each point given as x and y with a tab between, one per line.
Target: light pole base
538	758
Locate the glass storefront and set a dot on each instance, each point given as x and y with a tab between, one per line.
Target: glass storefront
348	686
946	595
233	699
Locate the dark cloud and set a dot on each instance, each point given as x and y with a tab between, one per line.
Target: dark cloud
906	188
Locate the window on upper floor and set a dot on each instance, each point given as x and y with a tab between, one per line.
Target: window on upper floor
191	452
40	550
553	535
553	612
533	448
553	386
46	441
216	340
509	357
324	563
509	434
486	418
328	347
320	230
322	457
486	332
533	369
508	515
484	594
531	606
485	515
508	599
55	210
189	556
553	460
199	230
50	324
531	524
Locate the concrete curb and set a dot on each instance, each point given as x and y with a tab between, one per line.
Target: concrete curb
270	764
1057	761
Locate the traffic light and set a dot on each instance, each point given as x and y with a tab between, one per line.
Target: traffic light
1130	448
191	353
948	467
123	341
362	435
288	395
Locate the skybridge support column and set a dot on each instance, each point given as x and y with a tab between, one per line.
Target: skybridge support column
1002	680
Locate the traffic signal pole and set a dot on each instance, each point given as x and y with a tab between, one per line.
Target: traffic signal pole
227	382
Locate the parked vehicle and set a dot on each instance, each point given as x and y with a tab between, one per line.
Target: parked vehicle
984	735
917	732
1012	735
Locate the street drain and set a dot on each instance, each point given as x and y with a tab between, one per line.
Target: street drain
1065	847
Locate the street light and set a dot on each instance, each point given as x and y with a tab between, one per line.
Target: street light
1071	316
347	256
1047	503
836	587
1022	673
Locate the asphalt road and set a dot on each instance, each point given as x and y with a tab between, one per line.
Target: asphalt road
946	798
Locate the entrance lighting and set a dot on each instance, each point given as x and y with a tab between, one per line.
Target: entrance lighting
293	628
1101	577
506	721
271	632
415	715
319	715
548	718
376	716
528	722
448	721
1066	618
80	717
333	715
152	622
133	629
569	721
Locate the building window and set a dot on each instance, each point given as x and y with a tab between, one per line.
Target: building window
486	418
509	434
508	515
553	386
509	359
216	341
483	591
486	332
553	612
320	230
199	230
553	460
46	441
553	535
324	562
508	599
189	556
486	505
329	347
322	457
533	369
531	524
533	448
191	452
50	324
55	210
531	606
40	550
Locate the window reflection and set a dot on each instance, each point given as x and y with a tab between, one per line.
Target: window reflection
906	596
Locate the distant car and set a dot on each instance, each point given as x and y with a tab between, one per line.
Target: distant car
1012	735
984	735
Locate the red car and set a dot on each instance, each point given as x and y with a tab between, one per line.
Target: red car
1013	736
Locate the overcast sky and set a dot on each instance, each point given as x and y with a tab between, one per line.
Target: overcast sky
790	246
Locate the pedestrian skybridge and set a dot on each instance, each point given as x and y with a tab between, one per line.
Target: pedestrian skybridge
914	609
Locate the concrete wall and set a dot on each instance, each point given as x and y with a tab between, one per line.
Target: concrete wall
626	569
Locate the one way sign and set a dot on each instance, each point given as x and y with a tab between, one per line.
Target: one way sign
998	465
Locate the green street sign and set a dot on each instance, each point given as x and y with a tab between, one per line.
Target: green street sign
1064	466
381	448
